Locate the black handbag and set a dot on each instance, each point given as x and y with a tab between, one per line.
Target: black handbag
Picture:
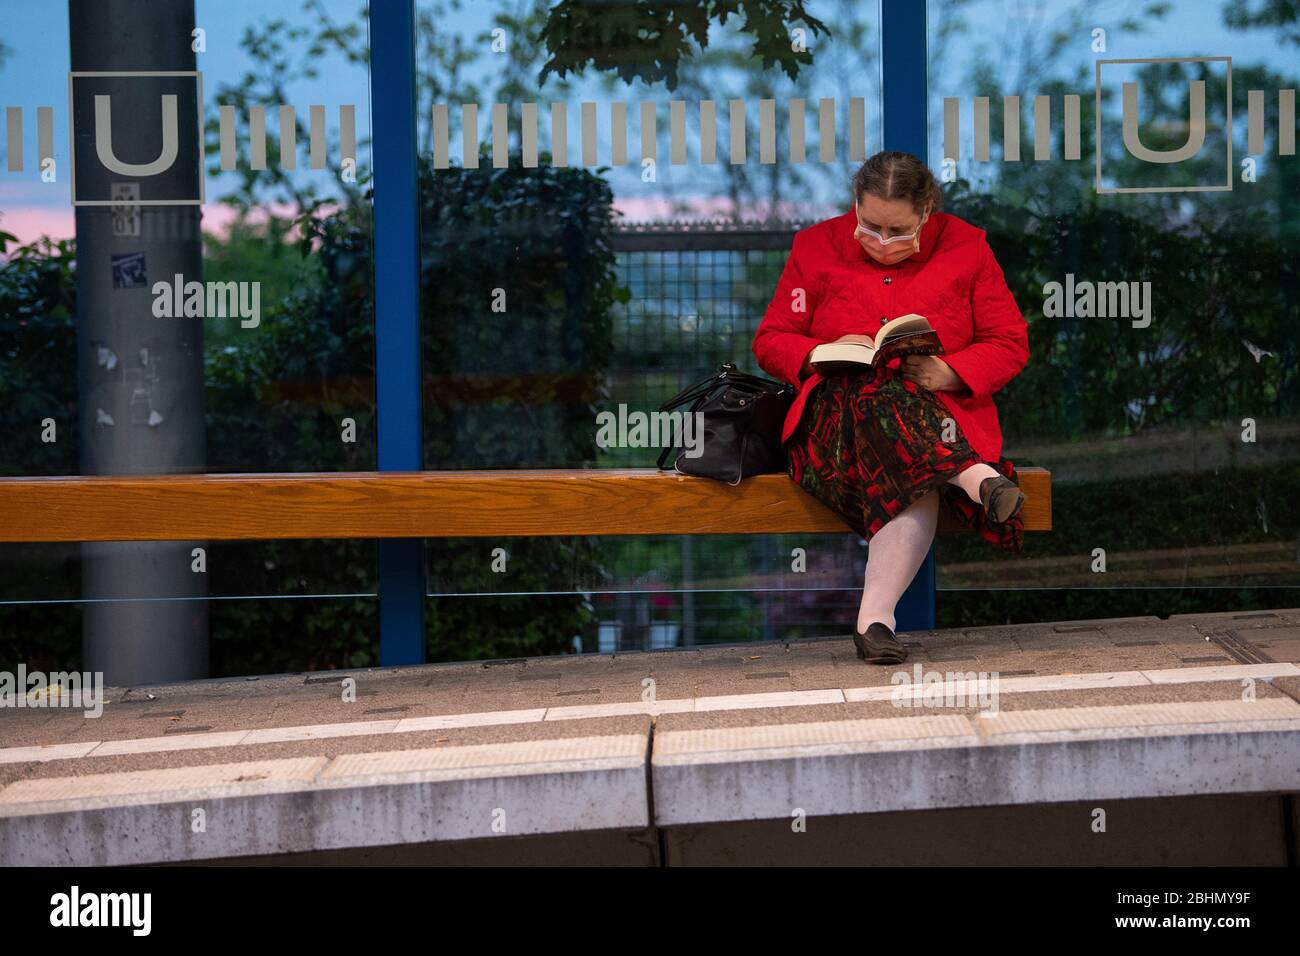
743	419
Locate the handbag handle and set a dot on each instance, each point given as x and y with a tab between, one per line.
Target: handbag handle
699	388
727	373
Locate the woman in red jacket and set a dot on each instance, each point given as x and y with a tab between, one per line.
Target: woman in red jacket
885	448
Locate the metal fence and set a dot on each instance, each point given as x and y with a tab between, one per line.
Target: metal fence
698	292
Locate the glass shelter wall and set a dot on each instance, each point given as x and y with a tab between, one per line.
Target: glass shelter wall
192	302
603	225
1135	169
606	200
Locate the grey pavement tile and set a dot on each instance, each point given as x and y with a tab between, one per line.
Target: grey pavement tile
1109	622
671	682
1288	650
128	721
1279	643
1117	696
11	772
334	746
22	727
1243	620
300	712
1175	634
1117	644
738	655
1044	663
717	685
1042	700
760	717
629	687
847	674
1288	685
1091	640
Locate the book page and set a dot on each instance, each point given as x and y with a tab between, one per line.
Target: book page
918	343
902	325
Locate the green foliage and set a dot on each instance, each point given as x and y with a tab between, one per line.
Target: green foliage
645	40
276	397
281	54
1258	14
38	357
38	372
275	400
518	288
505	389
512	389
1211	291
262	250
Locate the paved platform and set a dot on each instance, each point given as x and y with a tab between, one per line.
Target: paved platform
712	736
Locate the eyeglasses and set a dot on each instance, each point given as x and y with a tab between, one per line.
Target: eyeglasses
863	230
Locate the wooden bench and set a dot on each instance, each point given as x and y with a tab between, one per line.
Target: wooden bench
428	504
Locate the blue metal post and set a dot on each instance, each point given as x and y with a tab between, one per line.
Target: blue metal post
903	66
398	394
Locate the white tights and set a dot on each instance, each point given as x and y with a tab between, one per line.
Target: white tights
897	550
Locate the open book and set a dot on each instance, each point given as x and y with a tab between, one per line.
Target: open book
906	335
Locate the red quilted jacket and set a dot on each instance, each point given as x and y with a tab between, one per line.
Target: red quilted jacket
953	280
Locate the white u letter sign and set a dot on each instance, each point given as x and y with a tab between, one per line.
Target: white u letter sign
1195	127
104	139
147	133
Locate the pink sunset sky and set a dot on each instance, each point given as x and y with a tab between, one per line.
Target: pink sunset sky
30	222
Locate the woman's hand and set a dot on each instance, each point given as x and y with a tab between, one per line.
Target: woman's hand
931	372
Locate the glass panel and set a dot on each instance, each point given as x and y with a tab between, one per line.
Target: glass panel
1153	252
270	607
600	230
190	289
112	367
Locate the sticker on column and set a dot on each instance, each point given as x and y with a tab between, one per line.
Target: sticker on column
126	209
128	271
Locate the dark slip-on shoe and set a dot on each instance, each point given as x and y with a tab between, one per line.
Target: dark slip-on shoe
1002	498
879	645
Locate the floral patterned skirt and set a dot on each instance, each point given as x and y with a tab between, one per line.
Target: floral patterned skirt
871	443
